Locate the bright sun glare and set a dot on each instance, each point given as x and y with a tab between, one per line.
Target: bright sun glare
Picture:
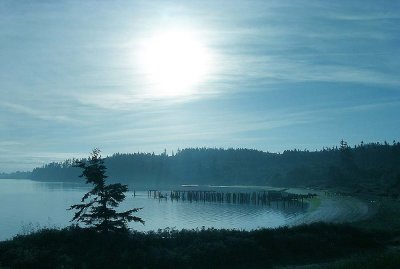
174	62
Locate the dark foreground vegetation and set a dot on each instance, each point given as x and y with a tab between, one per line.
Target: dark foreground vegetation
208	248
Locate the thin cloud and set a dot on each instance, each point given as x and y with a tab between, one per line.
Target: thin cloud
38	114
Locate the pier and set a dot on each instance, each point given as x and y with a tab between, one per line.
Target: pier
265	198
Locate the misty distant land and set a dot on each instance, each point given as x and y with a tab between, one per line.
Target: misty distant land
366	168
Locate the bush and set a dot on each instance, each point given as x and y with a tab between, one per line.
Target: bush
84	248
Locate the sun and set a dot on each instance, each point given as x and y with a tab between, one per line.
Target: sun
174	63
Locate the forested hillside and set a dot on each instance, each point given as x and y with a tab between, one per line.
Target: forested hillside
375	165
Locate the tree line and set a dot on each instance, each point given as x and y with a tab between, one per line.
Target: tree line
374	165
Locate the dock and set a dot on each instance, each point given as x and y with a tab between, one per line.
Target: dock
265	198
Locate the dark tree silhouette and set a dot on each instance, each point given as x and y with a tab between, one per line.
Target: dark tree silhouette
340	165
97	209
347	157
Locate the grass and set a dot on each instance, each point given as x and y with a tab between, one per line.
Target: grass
386	260
314	203
386	222
386	218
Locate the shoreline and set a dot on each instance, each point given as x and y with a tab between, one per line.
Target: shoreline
334	209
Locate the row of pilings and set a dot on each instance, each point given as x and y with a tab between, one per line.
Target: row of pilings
256	198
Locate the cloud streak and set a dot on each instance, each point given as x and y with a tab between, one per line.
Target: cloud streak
38	114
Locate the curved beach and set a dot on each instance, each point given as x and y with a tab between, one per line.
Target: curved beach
336	209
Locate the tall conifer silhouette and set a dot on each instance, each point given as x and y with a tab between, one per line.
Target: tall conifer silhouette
97	207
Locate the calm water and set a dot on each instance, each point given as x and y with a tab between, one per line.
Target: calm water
27	205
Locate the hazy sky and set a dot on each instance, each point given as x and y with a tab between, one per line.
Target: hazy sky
279	75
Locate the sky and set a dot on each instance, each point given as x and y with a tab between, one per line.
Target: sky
267	75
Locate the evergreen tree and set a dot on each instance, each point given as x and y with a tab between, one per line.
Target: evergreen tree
347	157
97	207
